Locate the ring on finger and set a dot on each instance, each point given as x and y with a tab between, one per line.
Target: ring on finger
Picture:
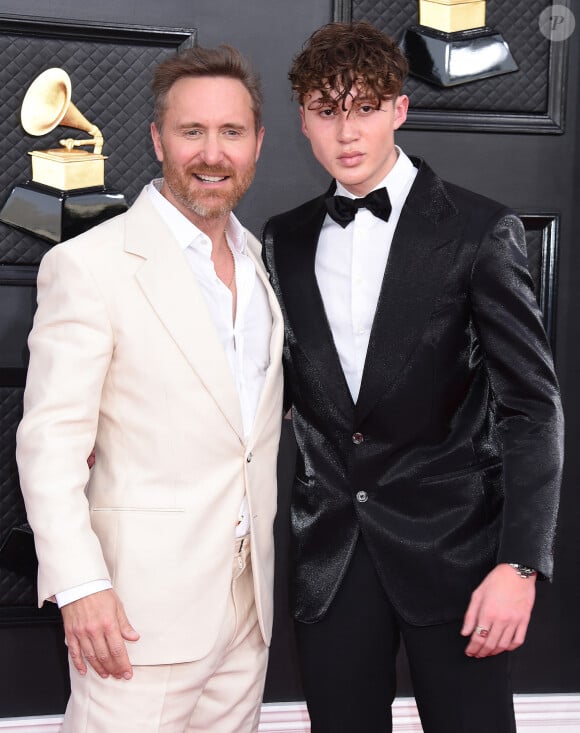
481	631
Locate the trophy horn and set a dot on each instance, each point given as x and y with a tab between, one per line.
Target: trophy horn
47	104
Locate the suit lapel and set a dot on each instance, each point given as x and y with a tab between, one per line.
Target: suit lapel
294	253
426	234
174	294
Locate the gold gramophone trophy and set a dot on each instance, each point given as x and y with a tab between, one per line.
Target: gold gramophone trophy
453	45
67	193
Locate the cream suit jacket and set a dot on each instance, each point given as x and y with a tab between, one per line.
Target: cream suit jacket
124	356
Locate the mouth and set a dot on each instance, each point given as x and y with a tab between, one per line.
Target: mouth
349	159
210	179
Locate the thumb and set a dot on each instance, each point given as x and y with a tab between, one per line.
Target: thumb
127	631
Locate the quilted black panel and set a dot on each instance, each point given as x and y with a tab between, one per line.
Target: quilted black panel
111	75
534	247
15	589
110	86
525	91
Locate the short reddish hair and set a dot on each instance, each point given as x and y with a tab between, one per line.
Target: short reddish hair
197	62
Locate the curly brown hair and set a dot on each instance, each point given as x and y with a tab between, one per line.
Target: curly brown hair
199	62
339	56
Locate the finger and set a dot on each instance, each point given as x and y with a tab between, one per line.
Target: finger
76	656
505	641
118	659
127	631
470	618
496	642
98	640
92	657
519	636
478	638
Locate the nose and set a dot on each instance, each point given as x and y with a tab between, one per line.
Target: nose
347	126
211	151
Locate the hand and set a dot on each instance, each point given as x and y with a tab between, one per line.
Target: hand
96	629
502	605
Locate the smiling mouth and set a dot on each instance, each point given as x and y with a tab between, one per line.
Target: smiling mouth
210	179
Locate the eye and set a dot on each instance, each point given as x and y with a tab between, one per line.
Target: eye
365	109
327	112
192	133
232	133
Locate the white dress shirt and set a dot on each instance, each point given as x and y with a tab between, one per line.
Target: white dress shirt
350	264
246	341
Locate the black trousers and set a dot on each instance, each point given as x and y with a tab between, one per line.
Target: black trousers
347	661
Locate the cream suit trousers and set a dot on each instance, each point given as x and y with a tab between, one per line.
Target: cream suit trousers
220	693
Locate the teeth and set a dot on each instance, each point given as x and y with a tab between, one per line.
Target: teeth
212	179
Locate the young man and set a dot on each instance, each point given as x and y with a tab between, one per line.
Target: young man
426	412
158	340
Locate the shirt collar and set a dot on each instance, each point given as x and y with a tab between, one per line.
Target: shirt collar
395	181
186	233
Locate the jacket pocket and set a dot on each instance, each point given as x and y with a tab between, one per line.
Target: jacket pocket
460	472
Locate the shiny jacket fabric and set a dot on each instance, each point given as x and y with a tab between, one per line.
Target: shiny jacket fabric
461	430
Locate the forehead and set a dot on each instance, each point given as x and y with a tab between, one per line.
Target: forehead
357	92
209	98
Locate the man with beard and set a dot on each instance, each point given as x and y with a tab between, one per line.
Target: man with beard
157	339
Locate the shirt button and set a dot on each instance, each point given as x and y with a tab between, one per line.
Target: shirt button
357	438
249	457
362	496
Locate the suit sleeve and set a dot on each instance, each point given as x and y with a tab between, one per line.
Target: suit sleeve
528	409
71	344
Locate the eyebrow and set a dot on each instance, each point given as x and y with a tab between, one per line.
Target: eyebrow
201	126
325	101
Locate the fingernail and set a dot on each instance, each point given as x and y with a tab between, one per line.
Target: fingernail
127	675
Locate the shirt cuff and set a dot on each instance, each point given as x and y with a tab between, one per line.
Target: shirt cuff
81	591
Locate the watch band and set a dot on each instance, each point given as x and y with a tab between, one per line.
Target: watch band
522	570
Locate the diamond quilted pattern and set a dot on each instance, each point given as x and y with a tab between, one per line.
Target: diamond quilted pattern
525	91
15	589
534	247
110	86
110	83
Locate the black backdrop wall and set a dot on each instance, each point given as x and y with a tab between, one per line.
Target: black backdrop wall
533	172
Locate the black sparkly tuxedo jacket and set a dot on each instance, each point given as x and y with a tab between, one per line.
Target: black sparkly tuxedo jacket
450	460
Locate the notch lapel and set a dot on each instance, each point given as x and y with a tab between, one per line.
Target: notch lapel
423	245
171	289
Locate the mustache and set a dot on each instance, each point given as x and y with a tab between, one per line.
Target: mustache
211	170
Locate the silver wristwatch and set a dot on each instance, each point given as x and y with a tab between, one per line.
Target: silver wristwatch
522	570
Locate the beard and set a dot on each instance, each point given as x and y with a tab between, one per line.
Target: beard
207	204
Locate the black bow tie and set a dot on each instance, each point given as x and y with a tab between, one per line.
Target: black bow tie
343	209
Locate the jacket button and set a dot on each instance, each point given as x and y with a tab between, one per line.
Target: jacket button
357	438
362	496
249	457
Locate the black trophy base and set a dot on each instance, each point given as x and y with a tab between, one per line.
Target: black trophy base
17	553
55	215
449	59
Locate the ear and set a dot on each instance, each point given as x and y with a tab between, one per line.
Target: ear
156	137
303	122
259	141
401	107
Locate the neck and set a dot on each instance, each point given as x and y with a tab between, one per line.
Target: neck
213	228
